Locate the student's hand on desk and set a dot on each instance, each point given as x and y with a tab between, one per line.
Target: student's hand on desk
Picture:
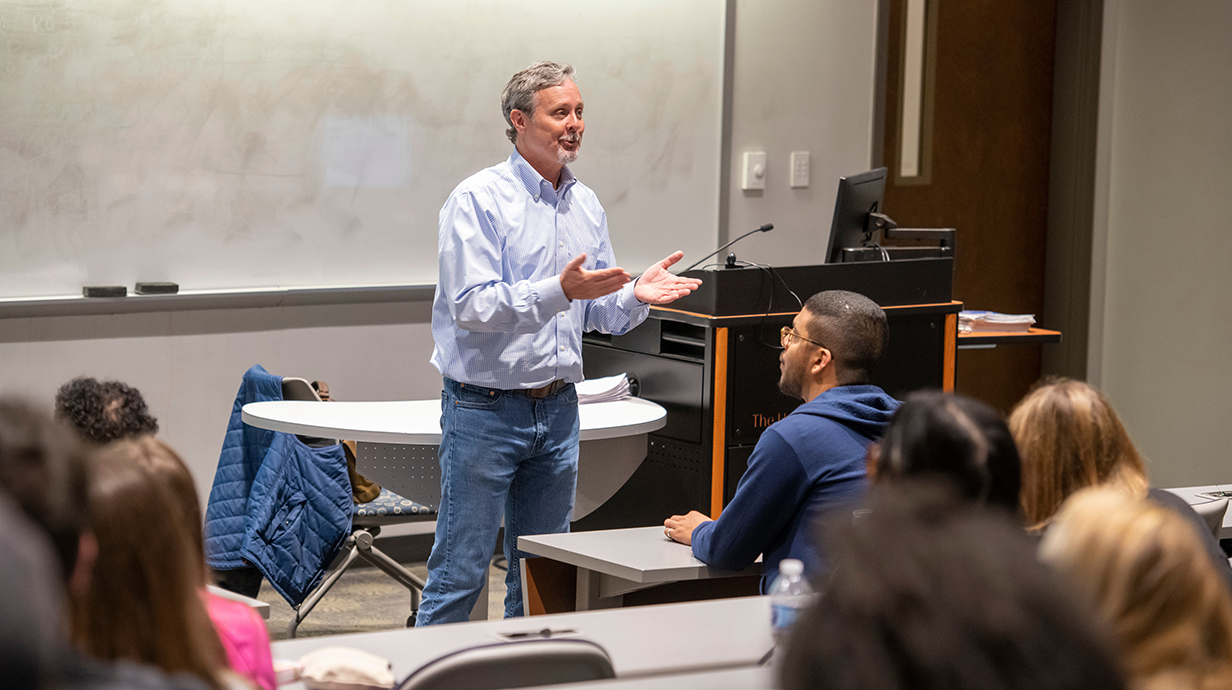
657	285
579	283
680	527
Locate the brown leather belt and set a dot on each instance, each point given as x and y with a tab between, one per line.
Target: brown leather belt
544	391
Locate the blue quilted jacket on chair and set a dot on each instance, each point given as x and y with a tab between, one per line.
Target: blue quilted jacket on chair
276	503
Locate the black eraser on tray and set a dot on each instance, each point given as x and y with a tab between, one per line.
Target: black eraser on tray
157	288
104	291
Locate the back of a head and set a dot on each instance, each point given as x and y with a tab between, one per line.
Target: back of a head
931	592
43	470
853	328
104	411
1070	438
1144	568
144	600
955	439
30	602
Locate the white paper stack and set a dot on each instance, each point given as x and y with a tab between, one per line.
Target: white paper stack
606	389
993	322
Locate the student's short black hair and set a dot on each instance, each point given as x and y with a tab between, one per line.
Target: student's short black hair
957	439
104	411
929	591
853	328
43	469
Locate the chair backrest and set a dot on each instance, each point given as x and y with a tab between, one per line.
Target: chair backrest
294	388
1213	512
519	664
298	389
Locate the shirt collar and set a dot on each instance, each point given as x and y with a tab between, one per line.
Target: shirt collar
535	184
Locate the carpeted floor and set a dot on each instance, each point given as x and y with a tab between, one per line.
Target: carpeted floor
363	600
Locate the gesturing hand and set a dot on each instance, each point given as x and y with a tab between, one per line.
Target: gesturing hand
659	286
579	283
680	527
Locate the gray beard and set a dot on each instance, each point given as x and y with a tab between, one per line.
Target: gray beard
566	157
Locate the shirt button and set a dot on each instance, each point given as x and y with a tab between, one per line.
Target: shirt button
536	197
562	348
562	244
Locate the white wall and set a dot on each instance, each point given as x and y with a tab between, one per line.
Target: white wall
188	364
1166	280
803	81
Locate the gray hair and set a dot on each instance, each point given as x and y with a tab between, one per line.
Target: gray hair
519	93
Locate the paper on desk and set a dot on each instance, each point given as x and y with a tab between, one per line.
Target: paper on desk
606	389
991	321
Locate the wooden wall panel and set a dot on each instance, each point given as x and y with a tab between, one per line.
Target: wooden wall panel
992	112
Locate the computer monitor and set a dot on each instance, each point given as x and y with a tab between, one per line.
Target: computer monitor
858	196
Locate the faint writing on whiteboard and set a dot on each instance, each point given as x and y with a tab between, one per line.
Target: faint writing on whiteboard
371	152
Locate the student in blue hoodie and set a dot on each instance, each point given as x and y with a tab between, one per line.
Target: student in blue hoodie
813	459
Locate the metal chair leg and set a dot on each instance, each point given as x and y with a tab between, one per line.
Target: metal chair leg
302	611
359	545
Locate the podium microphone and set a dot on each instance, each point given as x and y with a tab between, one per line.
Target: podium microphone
765	228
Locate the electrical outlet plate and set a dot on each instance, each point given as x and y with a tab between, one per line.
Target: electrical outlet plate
753	175
799	168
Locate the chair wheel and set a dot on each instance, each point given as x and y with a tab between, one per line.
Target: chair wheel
410	621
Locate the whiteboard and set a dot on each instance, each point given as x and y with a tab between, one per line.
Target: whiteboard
247	144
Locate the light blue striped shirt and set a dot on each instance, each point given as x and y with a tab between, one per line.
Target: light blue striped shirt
500	317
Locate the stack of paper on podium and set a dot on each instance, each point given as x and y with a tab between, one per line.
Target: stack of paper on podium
993	322
606	389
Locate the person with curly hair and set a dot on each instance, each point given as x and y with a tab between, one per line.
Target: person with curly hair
104	411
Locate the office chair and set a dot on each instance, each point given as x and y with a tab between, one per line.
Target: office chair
518	664
1212	512
386	509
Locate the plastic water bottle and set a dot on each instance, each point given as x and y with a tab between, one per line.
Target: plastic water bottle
790	594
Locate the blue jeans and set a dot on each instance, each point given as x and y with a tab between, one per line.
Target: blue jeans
501	452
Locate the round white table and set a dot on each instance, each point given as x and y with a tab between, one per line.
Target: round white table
613	434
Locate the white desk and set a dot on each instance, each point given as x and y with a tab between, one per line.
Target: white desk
1192	496
613	434
418	422
644	641
613	441
612	563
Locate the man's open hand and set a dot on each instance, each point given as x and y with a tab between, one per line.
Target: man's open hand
680	527
659	286
579	283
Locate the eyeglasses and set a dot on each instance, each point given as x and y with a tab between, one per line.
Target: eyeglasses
787	334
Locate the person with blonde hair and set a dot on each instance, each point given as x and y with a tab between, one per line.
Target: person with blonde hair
1069	438
147	602
1148	576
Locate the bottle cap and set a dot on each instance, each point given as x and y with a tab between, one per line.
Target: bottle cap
791	567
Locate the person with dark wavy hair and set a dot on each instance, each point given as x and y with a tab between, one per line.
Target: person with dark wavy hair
104	411
955	439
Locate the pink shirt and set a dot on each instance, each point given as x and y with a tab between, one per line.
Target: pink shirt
245	638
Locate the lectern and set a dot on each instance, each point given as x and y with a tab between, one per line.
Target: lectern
711	359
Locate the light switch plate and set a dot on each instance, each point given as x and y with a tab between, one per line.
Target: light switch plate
799	168
753	176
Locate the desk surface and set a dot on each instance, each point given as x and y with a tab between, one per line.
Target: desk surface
642	641
1032	335
418	422
639	554
1193	496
